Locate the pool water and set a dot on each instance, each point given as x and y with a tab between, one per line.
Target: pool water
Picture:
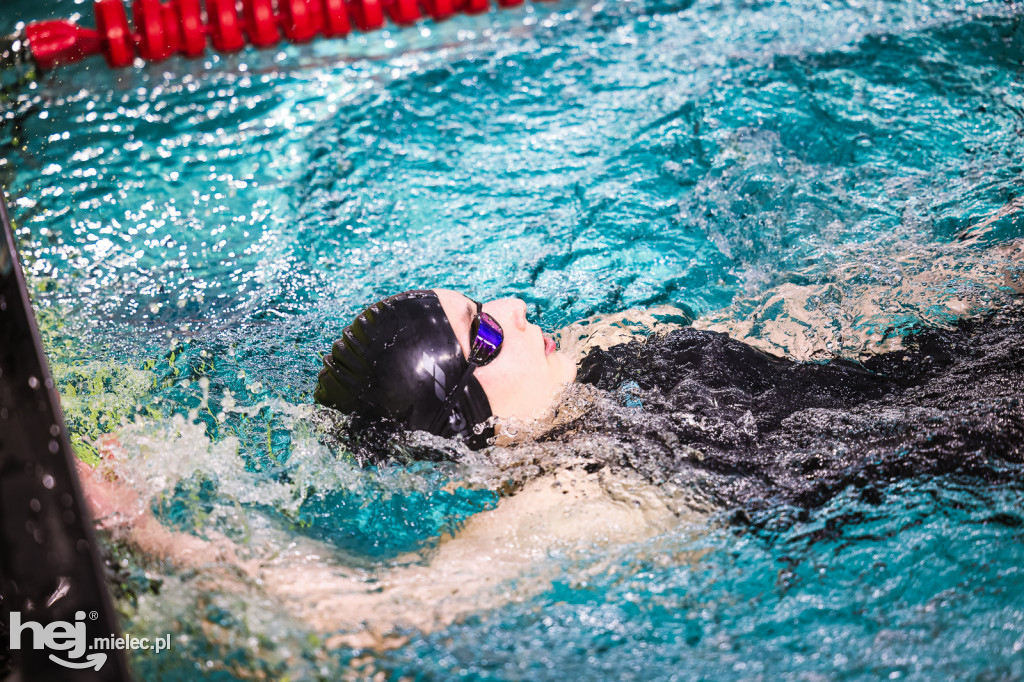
196	234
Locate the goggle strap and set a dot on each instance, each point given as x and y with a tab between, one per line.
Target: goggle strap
443	413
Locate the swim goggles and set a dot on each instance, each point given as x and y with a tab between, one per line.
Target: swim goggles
486	338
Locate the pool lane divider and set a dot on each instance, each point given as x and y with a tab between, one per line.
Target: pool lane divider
160	30
51	577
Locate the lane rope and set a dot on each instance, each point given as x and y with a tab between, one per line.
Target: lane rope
160	30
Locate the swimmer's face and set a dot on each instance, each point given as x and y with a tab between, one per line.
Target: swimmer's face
528	373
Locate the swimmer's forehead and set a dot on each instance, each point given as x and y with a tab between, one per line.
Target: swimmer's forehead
460	311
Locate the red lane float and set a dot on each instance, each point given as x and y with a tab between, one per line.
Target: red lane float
336	22
116	41
163	29
60	42
367	15
438	10
224	26
404	12
261	23
301	22
152	40
193	32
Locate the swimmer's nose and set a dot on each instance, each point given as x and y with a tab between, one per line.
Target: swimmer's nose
512	310
520	307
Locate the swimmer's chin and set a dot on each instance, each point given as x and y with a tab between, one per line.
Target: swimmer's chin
571	368
571	401
565	361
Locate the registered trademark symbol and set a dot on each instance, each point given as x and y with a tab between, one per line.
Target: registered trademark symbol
93	615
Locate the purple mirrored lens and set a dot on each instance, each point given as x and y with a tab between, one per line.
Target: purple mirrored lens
487	338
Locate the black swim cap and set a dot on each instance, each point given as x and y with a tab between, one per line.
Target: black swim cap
399	360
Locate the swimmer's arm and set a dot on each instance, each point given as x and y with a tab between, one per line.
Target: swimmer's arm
116	507
302	583
501	555
299	579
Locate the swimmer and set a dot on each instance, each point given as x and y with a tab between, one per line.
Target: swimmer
439	362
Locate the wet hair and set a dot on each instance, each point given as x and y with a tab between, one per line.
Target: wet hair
394	368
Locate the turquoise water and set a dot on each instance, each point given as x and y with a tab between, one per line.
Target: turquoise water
197	233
